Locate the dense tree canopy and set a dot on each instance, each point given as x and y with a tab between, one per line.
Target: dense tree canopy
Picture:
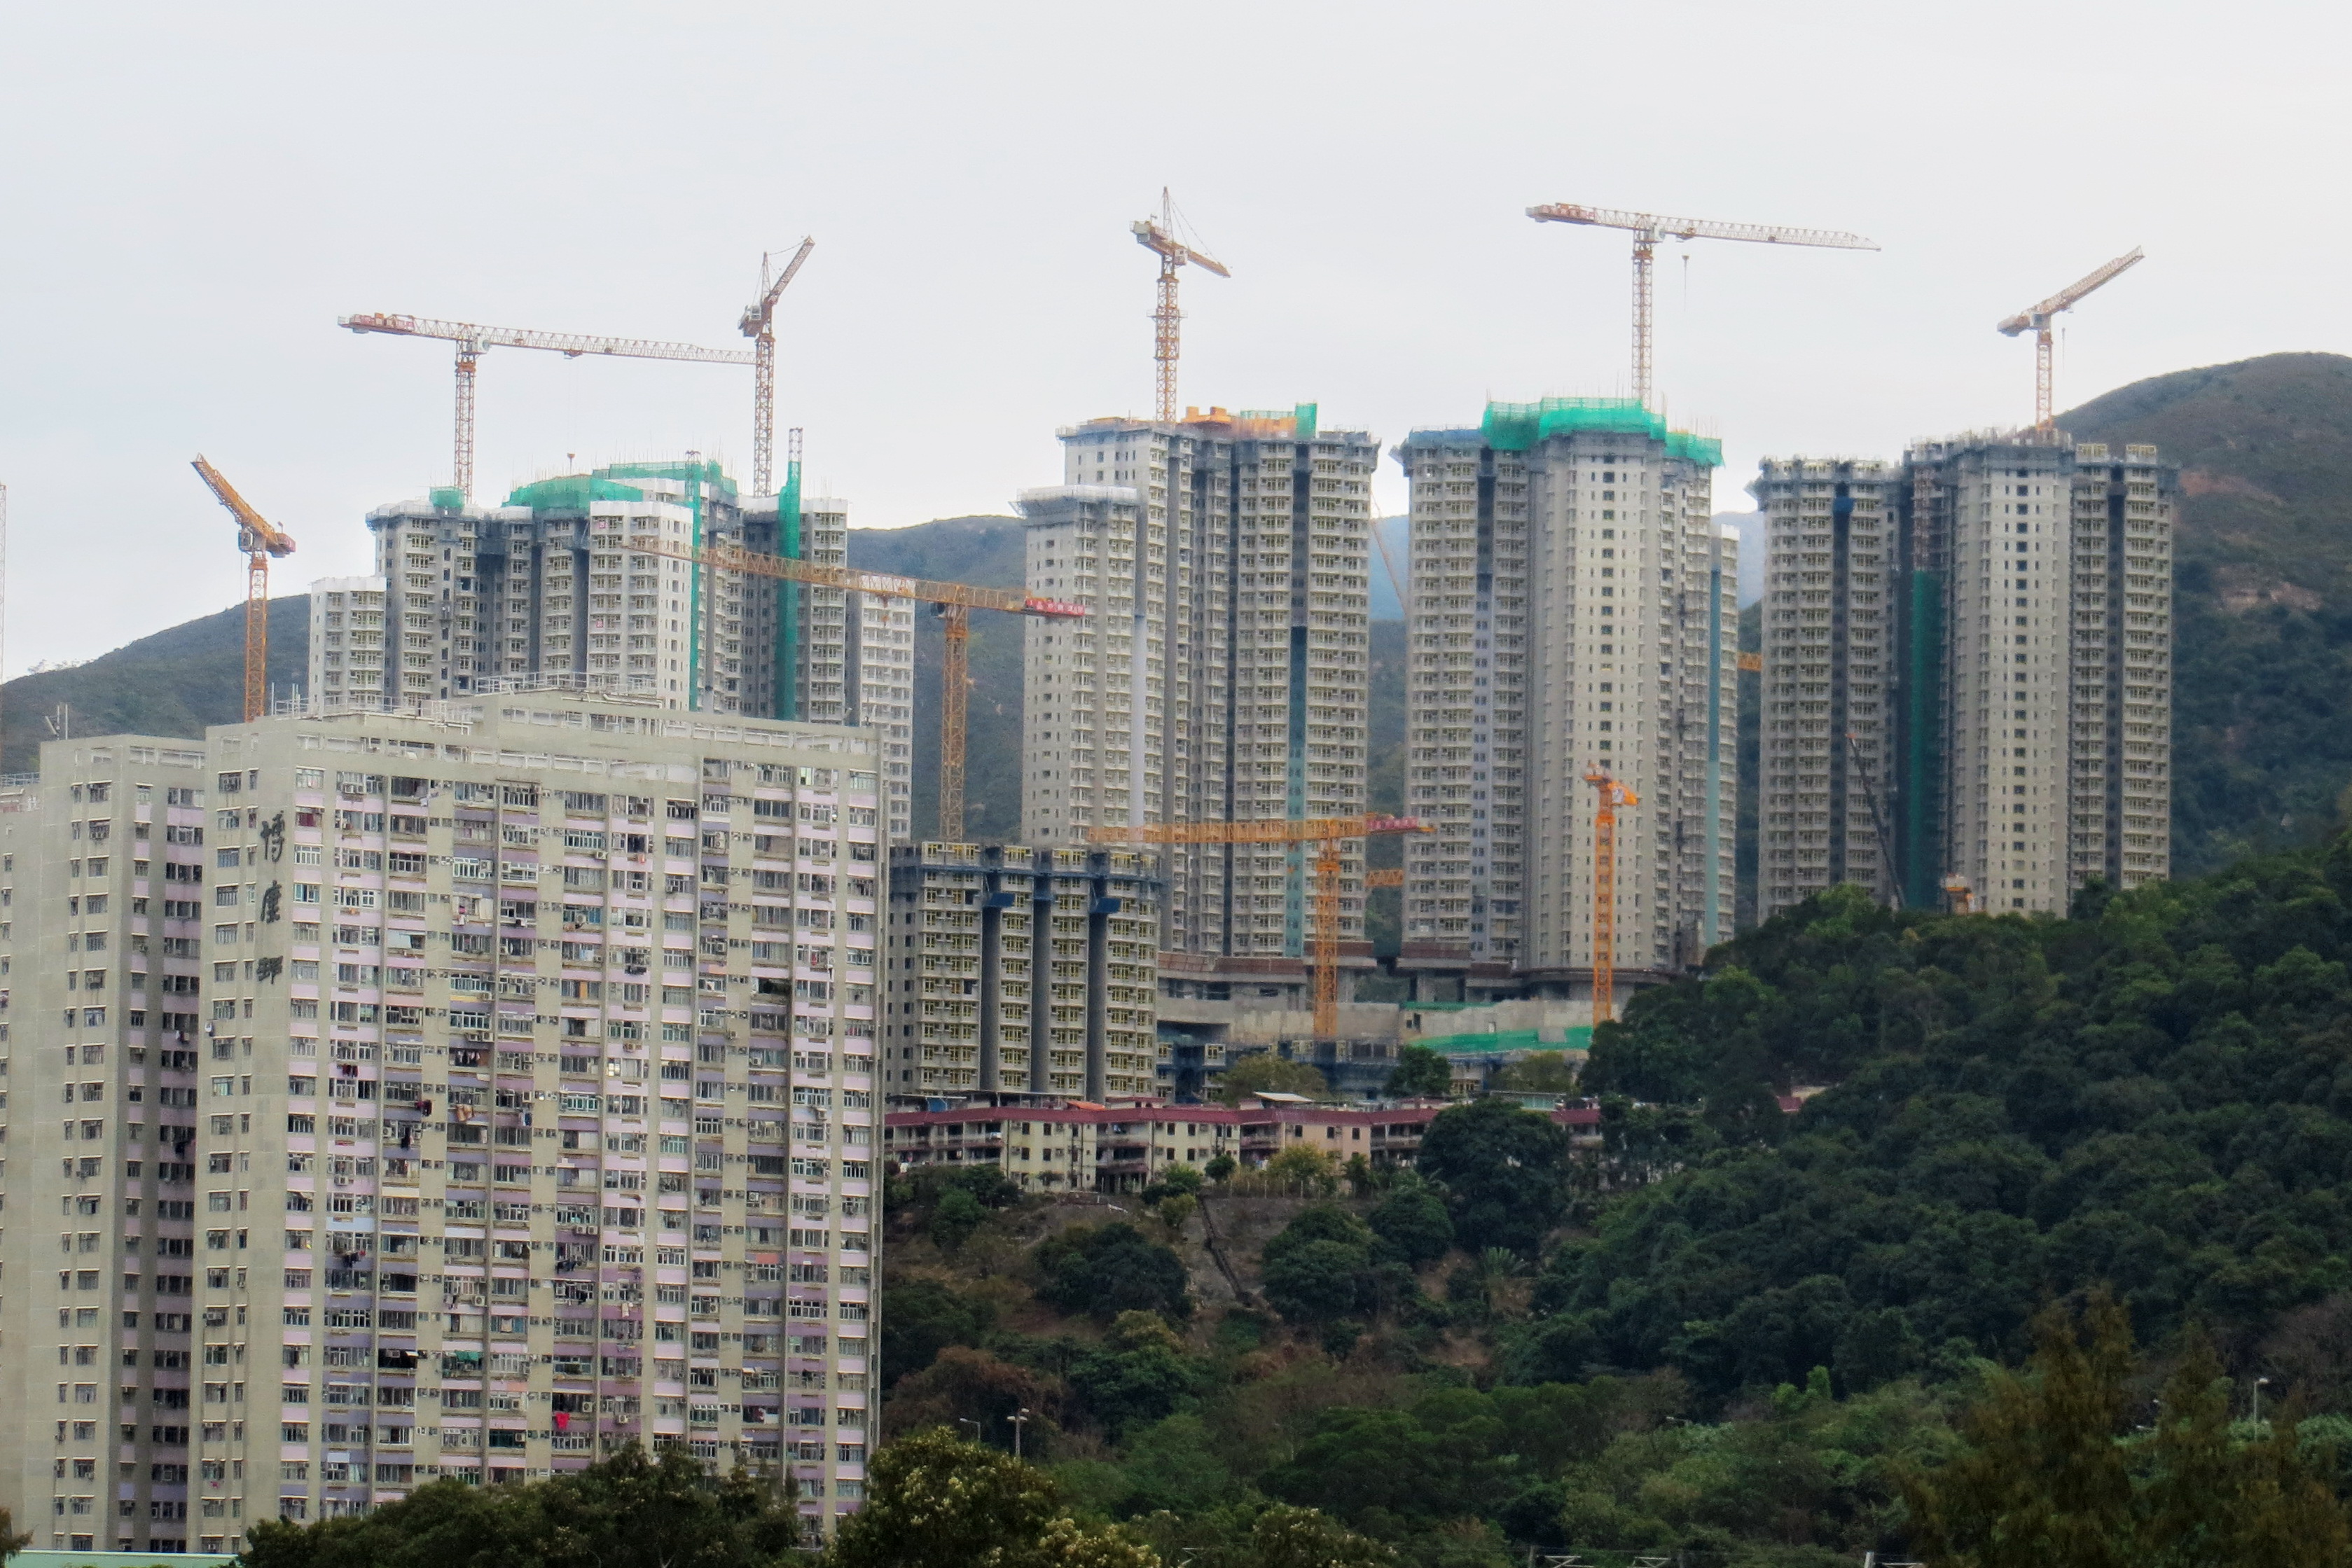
628	1511
1505	1172
1111	1269
2158	1093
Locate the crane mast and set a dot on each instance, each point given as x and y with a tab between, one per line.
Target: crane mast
758	324
472	340
2037	319
954	602
1648	229
1612	794
1326	833
1160	238
258	541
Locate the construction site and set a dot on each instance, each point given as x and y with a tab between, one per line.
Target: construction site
1565	822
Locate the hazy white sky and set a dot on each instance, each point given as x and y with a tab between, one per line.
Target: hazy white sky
193	194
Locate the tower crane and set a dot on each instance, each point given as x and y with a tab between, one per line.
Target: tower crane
1326	834
1648	229
1160	238
1612	794
2036	320
474	340
259	542
758	324
954	600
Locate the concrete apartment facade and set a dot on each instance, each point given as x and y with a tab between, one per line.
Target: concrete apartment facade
1574	610
1125	1149
1222	676
1826	793
509	1102
1992	622
103	872
544	591
1011	971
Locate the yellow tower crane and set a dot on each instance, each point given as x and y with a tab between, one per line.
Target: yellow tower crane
1612	795
259	542
1327	833
1158	237
955	602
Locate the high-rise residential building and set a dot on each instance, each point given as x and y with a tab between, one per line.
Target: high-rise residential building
470	1089
1222	676
1993	624
543	590
1573	613
103	874
1010	971
1826	795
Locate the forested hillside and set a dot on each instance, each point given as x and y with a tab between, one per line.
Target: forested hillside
1724	1329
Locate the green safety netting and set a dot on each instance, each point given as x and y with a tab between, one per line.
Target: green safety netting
572	492
447	498
1518	426
1302	417
707	470
1579	1038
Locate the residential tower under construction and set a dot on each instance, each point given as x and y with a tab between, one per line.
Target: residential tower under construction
1573	612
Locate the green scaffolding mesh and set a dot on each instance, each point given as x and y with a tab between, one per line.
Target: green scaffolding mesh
572	493
707	470
1518	426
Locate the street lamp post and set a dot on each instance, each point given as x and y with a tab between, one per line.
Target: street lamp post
2259	1384
968	1421
1018	1422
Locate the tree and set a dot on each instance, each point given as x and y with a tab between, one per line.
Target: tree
1505	1172
935	1500
2045	1478
1175	1181
631	1511
1137	1375
1306	1171
925	1317
1419	1073
967	1385
11	1542
1111	1269
1316	1282
1267	1072
1411	1223
1540	1072
1286	1537
957	1215
1220	1167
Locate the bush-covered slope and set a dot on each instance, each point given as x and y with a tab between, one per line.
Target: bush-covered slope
2158	1096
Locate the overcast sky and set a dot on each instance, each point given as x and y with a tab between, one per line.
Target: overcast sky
193	194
